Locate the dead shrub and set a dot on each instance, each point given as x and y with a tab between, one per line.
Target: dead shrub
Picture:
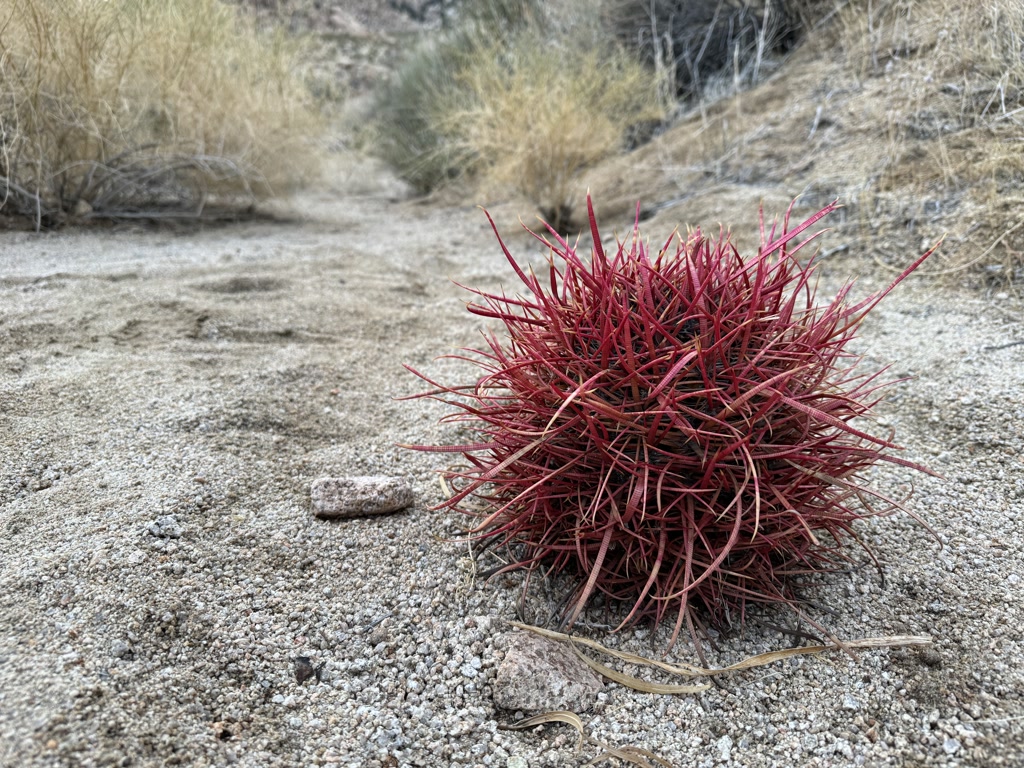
120	108
700	46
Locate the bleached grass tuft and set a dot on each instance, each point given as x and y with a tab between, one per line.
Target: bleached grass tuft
134	107
532	116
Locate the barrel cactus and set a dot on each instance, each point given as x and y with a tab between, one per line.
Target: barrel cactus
679	430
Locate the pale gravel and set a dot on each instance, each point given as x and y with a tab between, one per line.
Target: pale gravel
166	399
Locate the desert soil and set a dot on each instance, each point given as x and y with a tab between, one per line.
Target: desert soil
167	396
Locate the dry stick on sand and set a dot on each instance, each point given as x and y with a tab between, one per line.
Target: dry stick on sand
760	660
637	755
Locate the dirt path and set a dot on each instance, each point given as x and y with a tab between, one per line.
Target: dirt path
166	400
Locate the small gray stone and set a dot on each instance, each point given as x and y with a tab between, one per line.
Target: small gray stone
724	747
166	527
121	650
335	497
540	675
850	703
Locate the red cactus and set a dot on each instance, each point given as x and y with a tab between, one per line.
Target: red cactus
673	430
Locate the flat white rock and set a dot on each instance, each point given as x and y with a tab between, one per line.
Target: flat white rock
342	497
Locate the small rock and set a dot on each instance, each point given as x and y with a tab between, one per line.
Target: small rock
342	497
541	675
516	761
121	650
850	703
166	527
930	657
724	747
137	557
951	746
304	669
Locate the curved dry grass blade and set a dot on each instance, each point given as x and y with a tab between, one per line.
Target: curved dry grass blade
689	670
635	682
674	669
558	716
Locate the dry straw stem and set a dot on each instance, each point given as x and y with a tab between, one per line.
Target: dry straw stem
533	115
690	670
141	105
631	755
643	757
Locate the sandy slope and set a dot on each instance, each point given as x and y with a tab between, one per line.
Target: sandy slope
212	375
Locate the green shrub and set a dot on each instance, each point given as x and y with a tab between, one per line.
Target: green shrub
140	107
410	127
407	113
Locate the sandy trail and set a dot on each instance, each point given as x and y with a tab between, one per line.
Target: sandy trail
211	375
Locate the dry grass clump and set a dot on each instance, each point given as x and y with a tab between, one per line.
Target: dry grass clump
521	96
952	79
122	108
410	127
532	116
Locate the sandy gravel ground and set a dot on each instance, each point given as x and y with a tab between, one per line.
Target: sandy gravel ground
167	397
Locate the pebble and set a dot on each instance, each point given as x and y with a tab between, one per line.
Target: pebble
344	497
166	527
724	747
120	649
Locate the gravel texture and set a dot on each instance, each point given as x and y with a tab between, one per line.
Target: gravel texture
167	597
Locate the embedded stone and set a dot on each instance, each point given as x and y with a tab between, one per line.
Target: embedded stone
541	675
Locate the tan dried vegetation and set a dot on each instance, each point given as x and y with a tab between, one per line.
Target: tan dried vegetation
911	112
143	107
